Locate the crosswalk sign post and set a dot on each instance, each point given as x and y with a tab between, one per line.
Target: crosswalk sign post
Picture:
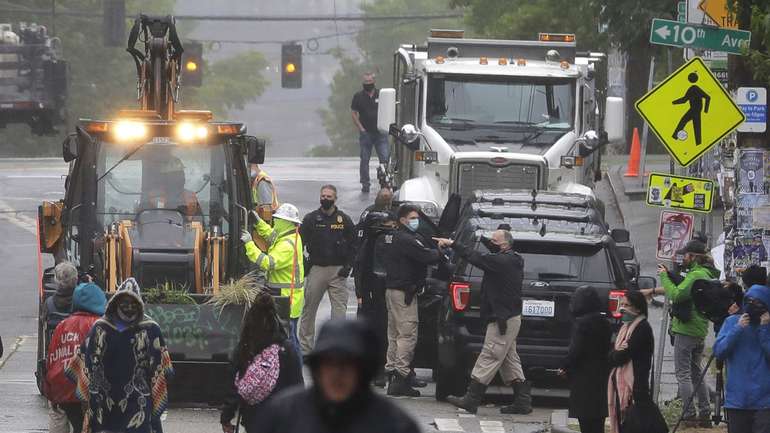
690	111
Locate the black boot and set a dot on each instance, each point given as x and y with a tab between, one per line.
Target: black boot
522	399
399	387
414	382
472	398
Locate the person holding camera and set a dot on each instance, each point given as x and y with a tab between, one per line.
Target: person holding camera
689	328
744	342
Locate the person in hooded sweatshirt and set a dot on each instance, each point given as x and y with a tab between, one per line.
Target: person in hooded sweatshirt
263	340
587	364
122	369
88	304
343	363
744	343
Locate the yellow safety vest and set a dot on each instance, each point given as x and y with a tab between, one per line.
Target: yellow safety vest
283	264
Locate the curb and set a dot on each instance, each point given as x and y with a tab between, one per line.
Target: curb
615	197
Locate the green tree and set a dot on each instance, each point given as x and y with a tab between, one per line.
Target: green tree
103	79
377	42
524	19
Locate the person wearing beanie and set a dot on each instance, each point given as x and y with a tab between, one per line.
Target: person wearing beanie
88	304
122	369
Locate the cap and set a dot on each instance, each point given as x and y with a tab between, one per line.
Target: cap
693	247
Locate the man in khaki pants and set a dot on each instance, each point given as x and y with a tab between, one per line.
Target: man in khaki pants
406	260
501	309
328	235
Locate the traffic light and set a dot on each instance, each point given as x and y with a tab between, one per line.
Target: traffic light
291	66
114	23
192	64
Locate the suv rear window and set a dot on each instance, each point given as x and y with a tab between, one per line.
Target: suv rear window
553	261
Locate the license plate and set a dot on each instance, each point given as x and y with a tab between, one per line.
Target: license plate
534	308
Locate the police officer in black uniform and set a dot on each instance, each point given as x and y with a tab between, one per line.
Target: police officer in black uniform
406	262
328	234
369	276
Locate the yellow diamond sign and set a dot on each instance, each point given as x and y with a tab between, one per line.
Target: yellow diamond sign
690	111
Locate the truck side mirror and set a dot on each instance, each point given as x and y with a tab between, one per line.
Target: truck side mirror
626	252
620	235
613	118
644	282
69	148
386	110
255	149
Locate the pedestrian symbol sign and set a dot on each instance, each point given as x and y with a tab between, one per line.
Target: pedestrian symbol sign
680	192
690	111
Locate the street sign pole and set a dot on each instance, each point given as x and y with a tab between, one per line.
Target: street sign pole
646	127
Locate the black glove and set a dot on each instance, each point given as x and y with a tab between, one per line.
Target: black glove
409	296
344	272
502	325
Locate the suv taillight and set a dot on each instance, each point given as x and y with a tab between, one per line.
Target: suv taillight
614	304
461	295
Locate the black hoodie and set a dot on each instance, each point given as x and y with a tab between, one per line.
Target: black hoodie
587	363
307	411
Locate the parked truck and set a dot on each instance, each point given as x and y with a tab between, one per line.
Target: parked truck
473	114
33	78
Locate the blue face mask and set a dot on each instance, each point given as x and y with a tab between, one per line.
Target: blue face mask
413	224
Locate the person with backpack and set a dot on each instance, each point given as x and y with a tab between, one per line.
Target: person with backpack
264	363
88	304
689	329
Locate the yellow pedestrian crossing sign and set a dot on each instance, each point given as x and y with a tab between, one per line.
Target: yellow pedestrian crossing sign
690	111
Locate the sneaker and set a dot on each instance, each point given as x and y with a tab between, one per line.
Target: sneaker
414	382
399	387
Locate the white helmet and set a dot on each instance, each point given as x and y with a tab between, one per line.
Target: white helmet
288	212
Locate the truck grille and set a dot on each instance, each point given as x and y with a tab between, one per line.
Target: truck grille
481	175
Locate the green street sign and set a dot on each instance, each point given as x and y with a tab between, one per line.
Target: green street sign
676	34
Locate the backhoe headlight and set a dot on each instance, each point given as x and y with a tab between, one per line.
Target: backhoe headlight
129	131
188	132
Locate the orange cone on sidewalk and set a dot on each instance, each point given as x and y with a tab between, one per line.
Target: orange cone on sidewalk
632	170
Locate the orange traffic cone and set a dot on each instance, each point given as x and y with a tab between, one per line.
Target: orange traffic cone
632	170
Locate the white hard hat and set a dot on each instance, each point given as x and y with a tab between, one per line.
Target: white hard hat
288	212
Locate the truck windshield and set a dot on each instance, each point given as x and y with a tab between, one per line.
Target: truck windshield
189	179
479	101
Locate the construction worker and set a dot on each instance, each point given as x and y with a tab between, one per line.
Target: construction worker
265	200
263	190
283	262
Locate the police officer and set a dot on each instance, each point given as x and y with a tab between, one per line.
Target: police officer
369	277
329	235
501	308
406	261
383	203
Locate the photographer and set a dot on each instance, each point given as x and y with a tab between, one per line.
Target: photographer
689	328
744	342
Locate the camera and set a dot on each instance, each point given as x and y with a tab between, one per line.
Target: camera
713	299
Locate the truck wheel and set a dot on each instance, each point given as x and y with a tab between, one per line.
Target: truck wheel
449	381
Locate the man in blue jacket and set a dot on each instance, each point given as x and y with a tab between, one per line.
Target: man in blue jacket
744	342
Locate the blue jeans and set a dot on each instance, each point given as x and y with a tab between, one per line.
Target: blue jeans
367	141
294	323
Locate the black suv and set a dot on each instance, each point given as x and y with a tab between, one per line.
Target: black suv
565	244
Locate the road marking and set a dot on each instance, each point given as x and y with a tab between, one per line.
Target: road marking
16	345
18	219
448	424
492	427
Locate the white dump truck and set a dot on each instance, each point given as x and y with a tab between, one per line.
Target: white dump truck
471	114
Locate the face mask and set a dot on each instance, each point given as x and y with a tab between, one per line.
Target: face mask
413	224
326	204
368	87
627	316
493	248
